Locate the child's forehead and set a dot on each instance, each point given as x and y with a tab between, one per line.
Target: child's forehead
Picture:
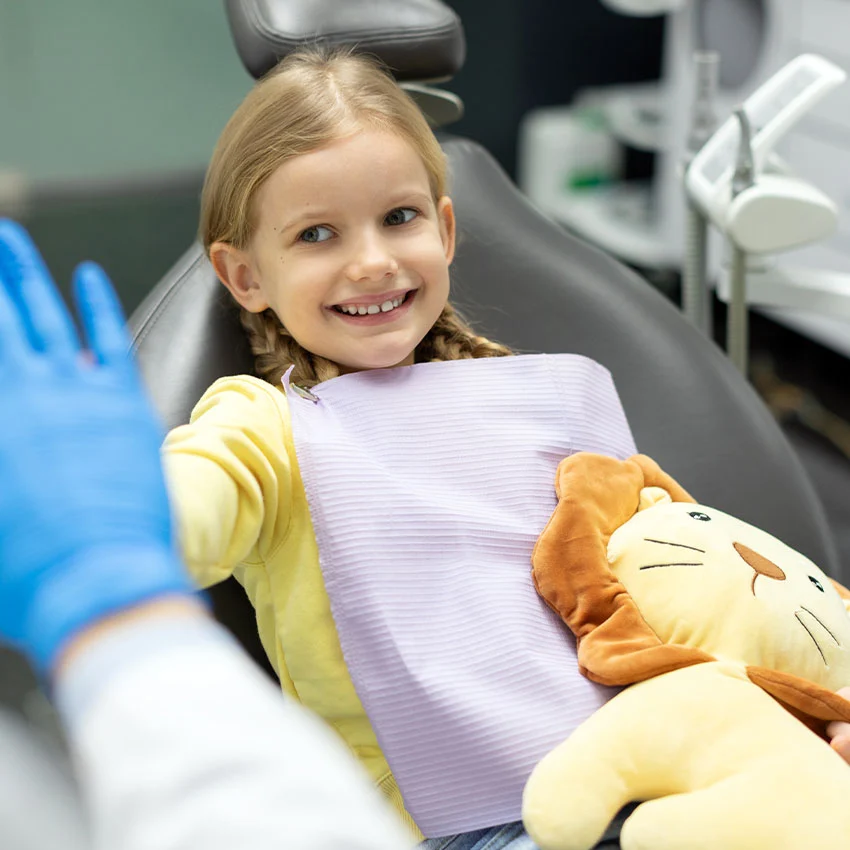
363	164
364	147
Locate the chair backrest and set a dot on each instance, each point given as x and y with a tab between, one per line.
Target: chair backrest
521	279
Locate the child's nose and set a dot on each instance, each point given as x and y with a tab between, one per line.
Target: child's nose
372	259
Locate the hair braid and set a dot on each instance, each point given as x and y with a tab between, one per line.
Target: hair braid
452	338
275	349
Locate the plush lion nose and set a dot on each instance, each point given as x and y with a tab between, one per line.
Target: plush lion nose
759	563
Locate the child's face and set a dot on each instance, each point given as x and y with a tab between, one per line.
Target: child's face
351	226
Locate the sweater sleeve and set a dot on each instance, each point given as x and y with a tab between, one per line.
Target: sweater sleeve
229	476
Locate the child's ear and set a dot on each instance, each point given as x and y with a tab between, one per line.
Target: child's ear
236	271
446	218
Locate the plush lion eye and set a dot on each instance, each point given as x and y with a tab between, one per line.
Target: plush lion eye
817	584
700	516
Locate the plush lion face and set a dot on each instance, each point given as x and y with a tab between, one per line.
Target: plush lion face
650	582
703	579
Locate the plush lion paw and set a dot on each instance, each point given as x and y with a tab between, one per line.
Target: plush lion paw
719	763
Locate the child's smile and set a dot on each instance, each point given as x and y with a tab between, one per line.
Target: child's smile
377	310
351	251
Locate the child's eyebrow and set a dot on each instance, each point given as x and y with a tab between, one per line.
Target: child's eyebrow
412	195
302	219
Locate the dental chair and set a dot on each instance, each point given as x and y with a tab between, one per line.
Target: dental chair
520	279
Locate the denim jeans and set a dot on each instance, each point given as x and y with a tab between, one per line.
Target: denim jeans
512	836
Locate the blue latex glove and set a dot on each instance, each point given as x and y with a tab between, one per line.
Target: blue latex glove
85	528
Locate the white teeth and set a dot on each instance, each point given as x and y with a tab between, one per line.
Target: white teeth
389	304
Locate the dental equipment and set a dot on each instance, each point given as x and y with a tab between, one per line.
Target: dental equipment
749	194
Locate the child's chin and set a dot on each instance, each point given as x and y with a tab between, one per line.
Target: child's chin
390	363
372	363
391	356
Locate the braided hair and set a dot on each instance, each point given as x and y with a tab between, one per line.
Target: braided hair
275	349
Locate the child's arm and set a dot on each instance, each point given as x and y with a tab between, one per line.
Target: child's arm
229	476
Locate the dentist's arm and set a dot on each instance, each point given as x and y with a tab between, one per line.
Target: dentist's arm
181	743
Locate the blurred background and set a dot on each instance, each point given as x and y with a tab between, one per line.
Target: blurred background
110	112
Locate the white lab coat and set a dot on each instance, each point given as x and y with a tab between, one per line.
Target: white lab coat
181	743
39	805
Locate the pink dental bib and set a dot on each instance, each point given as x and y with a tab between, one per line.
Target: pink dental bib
428	486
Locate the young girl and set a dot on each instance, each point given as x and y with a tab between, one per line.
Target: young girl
381	519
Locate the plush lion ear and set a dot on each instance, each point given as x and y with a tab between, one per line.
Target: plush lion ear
596	495
655	476
652	496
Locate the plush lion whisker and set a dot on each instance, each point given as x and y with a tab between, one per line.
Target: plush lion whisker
676	564
822	624
808	631
671	543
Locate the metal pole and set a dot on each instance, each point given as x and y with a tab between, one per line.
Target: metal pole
737	319
696	295
737	324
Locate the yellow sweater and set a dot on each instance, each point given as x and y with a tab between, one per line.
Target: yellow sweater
241	510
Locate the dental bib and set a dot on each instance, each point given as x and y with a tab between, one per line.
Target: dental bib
428	486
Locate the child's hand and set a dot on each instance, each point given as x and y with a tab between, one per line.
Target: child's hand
839	733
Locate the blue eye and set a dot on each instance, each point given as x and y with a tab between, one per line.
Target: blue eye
402	215
700	516
315	234
817	584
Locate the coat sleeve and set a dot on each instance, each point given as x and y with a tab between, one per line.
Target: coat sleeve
180	743
229	475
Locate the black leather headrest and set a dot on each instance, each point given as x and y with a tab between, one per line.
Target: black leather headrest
417	39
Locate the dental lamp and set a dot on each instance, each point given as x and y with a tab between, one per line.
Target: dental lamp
739	184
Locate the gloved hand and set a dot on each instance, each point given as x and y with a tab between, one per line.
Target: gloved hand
85	528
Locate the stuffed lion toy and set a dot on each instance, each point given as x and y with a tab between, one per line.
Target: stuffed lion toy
732	645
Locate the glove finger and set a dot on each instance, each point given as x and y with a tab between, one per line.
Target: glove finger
13	337
31	287
101	315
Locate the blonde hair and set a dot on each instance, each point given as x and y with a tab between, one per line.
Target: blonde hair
315	96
